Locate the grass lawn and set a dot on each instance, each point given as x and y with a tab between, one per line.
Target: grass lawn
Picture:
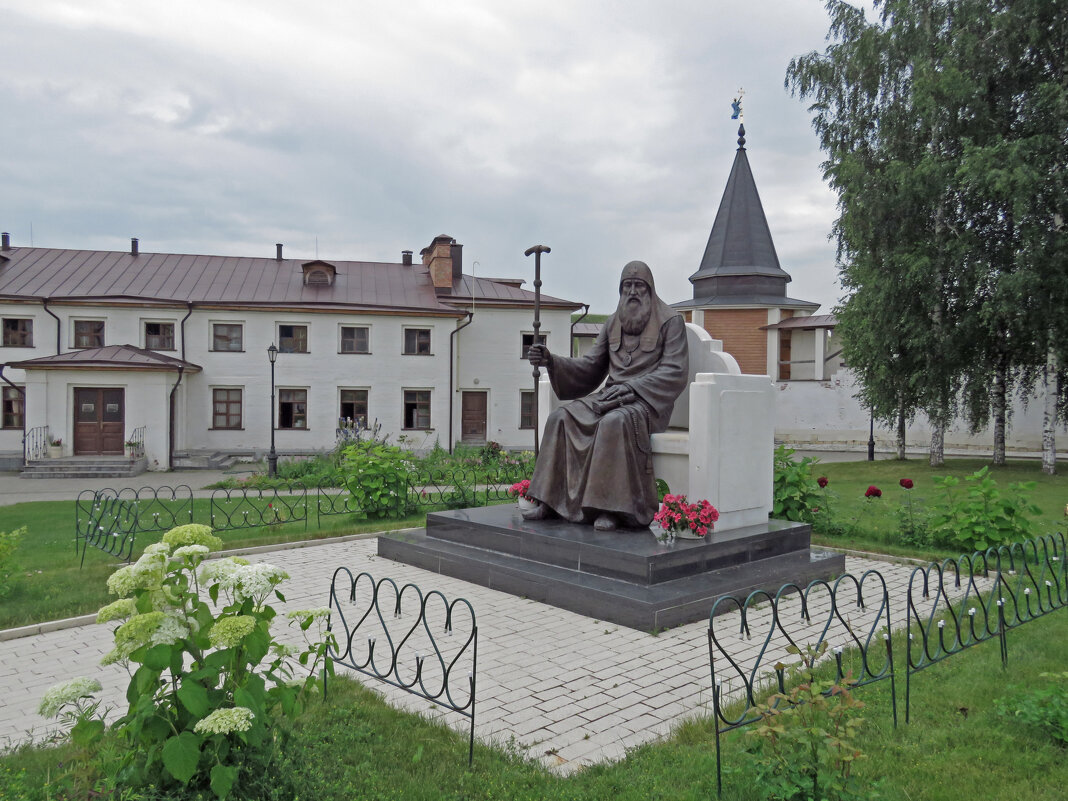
956	747
50	585
874	523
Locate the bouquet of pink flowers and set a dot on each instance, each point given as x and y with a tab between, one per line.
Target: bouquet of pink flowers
519	489
677	515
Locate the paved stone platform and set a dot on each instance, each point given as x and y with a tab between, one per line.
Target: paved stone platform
625	577
569	690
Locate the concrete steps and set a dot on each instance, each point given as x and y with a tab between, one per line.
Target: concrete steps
85	467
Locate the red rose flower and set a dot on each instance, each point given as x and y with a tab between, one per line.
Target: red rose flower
906	483
822	481
873	492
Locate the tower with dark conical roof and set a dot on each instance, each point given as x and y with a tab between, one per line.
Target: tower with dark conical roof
739	288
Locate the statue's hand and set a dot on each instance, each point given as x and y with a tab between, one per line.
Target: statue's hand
539	356
618	394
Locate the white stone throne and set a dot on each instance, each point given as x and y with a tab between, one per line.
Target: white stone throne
721	440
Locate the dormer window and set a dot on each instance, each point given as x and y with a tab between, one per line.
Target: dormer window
318	273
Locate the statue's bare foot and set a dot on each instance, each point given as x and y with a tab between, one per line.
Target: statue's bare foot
606	522
539	512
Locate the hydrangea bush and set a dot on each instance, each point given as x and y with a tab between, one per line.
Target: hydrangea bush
210	689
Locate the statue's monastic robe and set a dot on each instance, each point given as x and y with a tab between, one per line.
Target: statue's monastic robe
591	463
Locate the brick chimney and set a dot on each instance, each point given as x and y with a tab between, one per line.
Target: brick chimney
438	257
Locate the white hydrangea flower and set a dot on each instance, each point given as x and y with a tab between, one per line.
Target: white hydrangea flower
284	650
158	547
221	571
256	581
144	574
230	631
117	610
121	582
224	721
172	628
66	692
190	551
150	628
193	534
321	613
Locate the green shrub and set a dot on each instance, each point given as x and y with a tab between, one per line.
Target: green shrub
211	692
982	516
797	495
9	543
1045	708
377	476
804	742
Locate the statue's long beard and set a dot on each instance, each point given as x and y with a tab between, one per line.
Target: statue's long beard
633	317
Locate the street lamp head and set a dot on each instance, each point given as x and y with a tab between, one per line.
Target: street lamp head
272	353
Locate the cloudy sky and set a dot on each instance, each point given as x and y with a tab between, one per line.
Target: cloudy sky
601	129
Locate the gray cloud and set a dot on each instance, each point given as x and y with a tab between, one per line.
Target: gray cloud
601	129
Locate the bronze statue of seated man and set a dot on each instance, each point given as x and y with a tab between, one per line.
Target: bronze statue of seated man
595	463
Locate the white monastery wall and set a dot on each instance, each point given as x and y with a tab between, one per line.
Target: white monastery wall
827	413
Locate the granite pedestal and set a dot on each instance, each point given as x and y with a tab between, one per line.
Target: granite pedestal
623	577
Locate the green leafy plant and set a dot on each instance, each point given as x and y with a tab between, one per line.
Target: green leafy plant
9	543
211	690
982	515
1044	707
913	529
804	742
796	493
376	475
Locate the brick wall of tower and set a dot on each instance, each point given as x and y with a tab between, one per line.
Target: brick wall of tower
742	338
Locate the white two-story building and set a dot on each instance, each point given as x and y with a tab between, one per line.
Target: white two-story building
100	348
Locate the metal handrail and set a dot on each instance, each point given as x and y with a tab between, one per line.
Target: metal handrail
35	444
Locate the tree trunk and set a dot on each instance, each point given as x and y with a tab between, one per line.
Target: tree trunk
1049	416
901	434
997	412
938	443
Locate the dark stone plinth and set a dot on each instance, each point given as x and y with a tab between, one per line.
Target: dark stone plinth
624	577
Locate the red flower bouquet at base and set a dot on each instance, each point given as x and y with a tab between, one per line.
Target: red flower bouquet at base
677	516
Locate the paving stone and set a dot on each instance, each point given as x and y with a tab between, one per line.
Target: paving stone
547	679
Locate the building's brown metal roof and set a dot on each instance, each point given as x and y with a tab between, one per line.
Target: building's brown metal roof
586	329
811	322
111	357
88	275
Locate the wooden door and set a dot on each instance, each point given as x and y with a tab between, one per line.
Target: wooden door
473	417
99	421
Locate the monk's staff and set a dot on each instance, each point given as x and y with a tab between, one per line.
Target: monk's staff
537	250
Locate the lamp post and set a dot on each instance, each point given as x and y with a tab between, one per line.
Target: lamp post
272	457
871	436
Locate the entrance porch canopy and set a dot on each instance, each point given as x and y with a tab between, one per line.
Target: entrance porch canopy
112	357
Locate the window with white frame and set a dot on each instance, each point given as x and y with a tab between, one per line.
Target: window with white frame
293	408
88	333
416	409
416	342
355	339
18	332
526	409
13	409
353	406
227	337
226	407
159	336
527	341
292	338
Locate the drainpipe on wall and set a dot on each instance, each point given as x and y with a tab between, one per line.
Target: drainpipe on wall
452	346
585	311
170	421
170	433
59	326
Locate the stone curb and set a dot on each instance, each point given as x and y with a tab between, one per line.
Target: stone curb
84	620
